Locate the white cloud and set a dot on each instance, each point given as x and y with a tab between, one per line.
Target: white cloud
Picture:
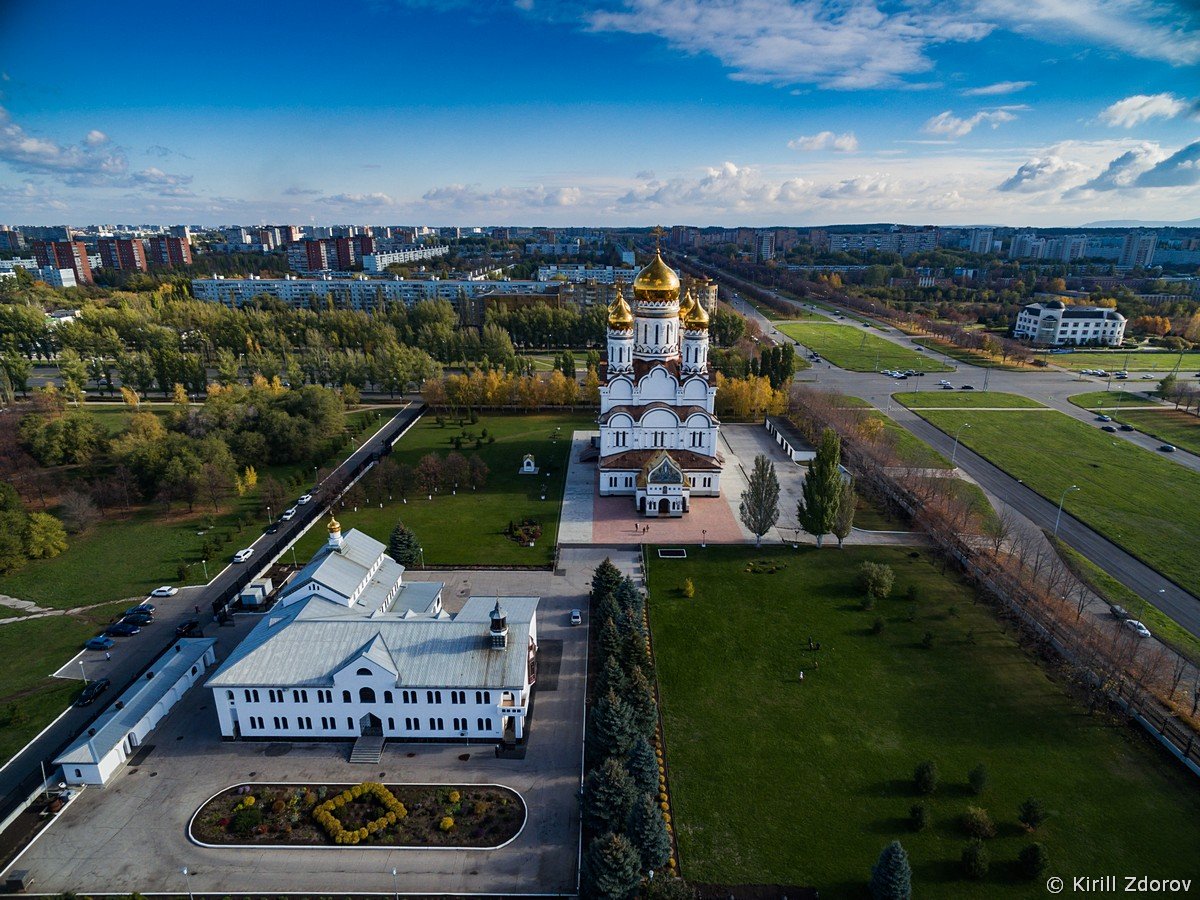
471	197
362	201
1180	169
95	138
1141	108
843	45
862	186
994	90
725	187
1041	174
948	123
826	140
1124	170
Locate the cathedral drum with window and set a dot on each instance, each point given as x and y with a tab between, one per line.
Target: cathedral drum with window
658	433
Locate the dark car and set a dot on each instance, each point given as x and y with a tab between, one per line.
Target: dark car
121	629
139	619
1109	428
1118	612
1127	428
967	387
271	529
188	628
147	608
99	642
91	691
1167	448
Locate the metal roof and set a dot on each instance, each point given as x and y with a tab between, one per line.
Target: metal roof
140	698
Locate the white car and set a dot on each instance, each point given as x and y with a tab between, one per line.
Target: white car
242	555
576	617
288	514
1137	628
165	591
307	498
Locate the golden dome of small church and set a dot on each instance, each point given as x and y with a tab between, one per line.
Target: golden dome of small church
658	432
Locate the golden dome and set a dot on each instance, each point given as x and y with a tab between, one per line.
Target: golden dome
333	526
657	276
686	303
697	316
620	316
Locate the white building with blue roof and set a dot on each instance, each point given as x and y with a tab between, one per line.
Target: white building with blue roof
352	650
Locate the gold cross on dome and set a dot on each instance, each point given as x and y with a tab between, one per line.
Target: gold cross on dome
658	231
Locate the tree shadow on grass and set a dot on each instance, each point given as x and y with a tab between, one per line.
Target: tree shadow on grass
892	827
892	788
941	871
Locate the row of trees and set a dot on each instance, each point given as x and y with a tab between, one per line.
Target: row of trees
625	802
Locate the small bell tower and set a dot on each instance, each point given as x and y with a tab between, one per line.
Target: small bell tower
498	629
335	534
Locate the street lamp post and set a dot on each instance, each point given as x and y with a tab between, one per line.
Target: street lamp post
395	888
954	452
270	518
703	537
188	882
1061	500
81	669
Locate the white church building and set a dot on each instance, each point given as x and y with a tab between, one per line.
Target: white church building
353	650
658	432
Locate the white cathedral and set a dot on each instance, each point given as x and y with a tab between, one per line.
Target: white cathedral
658	433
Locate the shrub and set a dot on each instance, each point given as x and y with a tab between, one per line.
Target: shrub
245	821
912	593
925	776
927	640
446	824
278	806
876	580
248	801
975	860
1033	861
689	589
977	823
877	626
868	602
455	796
1032	814
918	817
978	779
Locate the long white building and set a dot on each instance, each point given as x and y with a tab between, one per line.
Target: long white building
380	260
352	650
1057	324
355	293
582	273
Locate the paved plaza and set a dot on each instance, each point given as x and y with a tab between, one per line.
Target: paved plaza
131	836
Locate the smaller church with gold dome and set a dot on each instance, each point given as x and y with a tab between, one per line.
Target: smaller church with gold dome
658	432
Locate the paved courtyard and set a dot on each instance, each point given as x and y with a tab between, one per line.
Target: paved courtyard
131	836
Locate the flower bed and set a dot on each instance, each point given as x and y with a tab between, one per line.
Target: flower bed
362	815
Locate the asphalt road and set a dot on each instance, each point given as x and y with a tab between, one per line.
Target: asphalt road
133	655
1052	387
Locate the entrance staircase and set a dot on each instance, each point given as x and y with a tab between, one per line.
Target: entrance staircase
367	750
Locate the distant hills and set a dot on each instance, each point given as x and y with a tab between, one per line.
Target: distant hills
1141	223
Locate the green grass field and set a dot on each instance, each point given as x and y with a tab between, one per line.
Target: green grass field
777	780
1174	426
468	528
970	357
1135	361
1110	400
1134	497
1108	588
858	350
965	400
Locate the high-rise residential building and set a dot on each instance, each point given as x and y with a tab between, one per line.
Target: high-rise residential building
901	242
764	246
169	250
309	256
122	253
1138	250
71	255
11	239
1026	245
181	231
981	240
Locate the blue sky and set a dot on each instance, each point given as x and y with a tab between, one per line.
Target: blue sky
621	112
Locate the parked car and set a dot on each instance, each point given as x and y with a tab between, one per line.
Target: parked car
1110	428
242	555
967	387
91	691
121	629
1127	428
947	387
139	619
1167	448
1118	612
1137	628
147	608
288	514
165	591
307	498
100	642
1103	418
190	627
576	617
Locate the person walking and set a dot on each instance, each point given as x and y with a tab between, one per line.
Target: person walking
107	655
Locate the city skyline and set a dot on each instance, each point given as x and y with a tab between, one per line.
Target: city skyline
701	111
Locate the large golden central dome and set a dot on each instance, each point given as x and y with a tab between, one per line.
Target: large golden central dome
657	276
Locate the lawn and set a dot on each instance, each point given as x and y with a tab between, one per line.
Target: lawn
970	357
859	350
468	528
781	781
1133	361
29	652
1134	497
1108	588
1111	400
1173	426
965	400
